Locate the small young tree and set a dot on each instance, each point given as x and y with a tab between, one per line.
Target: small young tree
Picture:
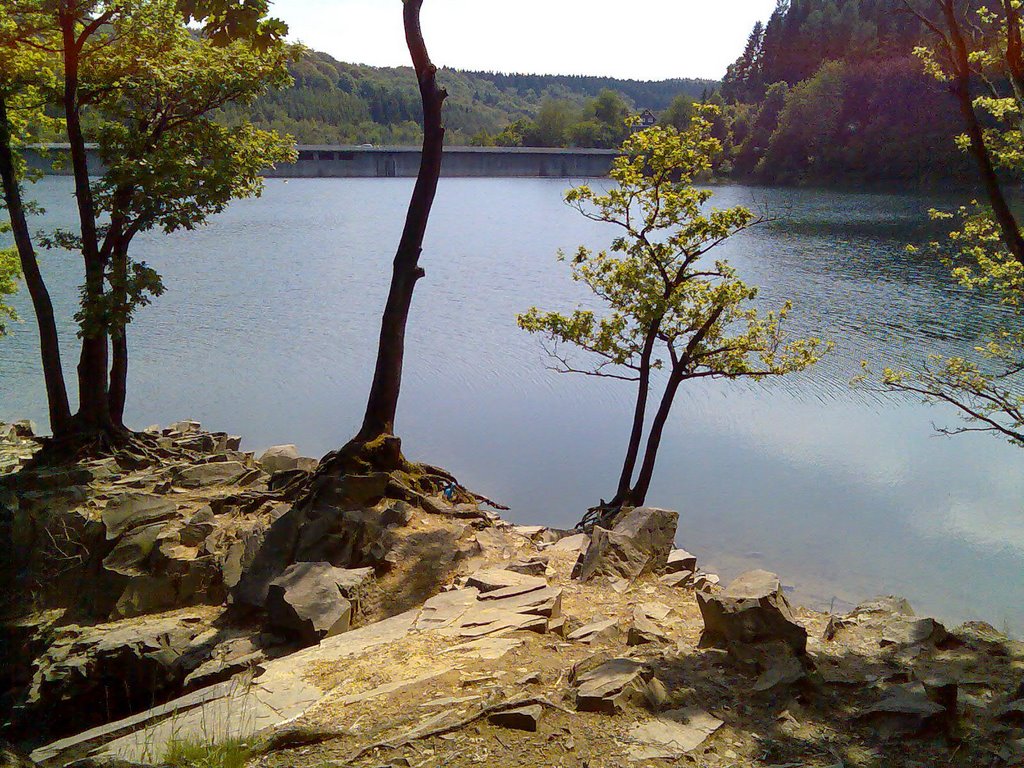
668	309
376	442
26	71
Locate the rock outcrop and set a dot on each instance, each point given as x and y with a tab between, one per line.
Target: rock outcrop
285	458
752	610
311	600
464	634
639	543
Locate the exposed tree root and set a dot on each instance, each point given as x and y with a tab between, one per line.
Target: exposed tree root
131	450
605	515
410	482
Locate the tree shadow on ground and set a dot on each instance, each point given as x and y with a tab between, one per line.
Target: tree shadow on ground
830	718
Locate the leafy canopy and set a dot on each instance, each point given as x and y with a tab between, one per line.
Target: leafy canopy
654	281
152	88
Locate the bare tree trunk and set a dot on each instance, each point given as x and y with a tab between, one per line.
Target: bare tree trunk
387	379
639	416
119	337
93	405
638	493
1014	48
680	364
118	376
49	344
990	180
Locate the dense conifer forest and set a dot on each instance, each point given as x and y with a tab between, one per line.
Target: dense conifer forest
830	90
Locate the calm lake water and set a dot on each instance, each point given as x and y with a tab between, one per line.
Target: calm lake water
269	327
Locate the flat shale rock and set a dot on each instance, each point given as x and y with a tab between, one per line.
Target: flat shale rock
133	549
597	630
903	630
906	709
130	510
204	475
577	542
482	619
678	579
608	687
885	605
534	566
680	560
444	610
519	719
672	735
644	631
500	582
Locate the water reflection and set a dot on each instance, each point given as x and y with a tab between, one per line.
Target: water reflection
268	327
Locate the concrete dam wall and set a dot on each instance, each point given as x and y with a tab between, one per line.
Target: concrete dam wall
398	162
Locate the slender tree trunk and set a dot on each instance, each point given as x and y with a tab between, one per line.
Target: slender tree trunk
387	378
93	405
638	493
990	180
49	344
118	376
1014	48
639	416
119	337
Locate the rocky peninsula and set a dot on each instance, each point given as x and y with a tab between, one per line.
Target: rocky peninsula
194	594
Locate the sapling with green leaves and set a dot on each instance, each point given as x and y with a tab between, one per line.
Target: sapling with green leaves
668	308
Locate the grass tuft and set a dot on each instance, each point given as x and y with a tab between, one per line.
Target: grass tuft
185	753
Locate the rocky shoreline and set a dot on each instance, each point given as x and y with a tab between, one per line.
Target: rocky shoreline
200	593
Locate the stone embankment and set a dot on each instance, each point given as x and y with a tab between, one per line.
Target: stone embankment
202	594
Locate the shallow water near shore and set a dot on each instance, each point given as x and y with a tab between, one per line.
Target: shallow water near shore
269	327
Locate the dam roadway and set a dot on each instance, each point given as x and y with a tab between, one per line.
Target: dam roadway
339	161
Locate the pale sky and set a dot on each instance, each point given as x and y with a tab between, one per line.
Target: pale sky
641	39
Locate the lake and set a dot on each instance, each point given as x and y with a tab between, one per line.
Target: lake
269	326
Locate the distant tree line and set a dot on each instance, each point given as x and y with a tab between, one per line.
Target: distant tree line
827	91
333	102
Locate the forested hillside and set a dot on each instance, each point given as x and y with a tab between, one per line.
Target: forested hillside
339	103
829	90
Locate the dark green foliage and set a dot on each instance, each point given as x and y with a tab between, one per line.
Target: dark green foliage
333	102
830	91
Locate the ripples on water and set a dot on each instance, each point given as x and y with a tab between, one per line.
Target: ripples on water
269	327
